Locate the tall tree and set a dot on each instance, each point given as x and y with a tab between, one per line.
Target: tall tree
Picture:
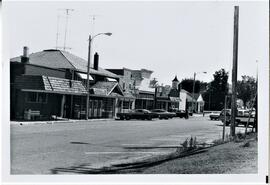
187	84
217	89
246	89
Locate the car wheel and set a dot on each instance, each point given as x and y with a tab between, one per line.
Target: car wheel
127	118
121	118
149	118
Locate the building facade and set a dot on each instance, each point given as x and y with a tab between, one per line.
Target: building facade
52	83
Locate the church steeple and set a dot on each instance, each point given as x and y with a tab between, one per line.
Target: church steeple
175	79
175	82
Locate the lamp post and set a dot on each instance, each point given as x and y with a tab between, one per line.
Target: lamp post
193	88
88	69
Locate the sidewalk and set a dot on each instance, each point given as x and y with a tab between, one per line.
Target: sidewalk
58	121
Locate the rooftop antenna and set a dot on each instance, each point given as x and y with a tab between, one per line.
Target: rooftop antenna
94	19
67	10
57	31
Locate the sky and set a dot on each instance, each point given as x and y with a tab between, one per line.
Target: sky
169	38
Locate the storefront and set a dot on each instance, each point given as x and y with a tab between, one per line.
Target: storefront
44	97
144	100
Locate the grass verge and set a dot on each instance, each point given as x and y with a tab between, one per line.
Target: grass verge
229	158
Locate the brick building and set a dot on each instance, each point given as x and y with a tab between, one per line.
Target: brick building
52	82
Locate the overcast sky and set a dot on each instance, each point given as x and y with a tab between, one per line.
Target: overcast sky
170	38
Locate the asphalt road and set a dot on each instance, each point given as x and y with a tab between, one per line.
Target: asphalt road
39	148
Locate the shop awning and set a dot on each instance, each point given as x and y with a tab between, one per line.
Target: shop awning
106	88
84	76
49	84
175	99
111	79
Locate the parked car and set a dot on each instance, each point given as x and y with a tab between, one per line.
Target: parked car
136	114
241	117
163	114
179	113
214	116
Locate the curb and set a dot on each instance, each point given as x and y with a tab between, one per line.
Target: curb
55	122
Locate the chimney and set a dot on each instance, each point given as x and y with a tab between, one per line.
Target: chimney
96	58
25	56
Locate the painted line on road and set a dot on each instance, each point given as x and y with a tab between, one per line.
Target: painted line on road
97	153
166	139
134	144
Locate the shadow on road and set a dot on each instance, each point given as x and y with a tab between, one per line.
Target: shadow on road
121	167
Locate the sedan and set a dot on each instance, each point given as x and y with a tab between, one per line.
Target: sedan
163	114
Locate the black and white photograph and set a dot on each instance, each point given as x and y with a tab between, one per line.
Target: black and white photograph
104	91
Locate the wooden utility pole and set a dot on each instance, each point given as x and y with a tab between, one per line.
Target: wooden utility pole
225	115
234	70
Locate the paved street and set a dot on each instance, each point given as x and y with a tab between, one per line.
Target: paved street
36	149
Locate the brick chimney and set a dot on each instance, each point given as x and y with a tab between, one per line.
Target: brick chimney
96	58
25	56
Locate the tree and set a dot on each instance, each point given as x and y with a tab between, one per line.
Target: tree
246	89
187	84
217	89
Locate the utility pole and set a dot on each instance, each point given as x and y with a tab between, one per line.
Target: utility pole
193	91
225	120
234	70
87	82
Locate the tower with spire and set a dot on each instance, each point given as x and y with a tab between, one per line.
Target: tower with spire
175	83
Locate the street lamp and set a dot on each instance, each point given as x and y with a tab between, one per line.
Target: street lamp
193	88
88	69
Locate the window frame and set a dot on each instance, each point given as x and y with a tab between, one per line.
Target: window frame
37	98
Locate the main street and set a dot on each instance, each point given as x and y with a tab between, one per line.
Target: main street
39	148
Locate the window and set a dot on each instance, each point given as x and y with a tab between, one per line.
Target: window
125	105
31	97
124	85
34	97
42	97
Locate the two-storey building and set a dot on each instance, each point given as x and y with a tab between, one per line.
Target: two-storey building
53	83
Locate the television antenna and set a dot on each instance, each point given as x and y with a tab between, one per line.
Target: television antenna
67	11
93	17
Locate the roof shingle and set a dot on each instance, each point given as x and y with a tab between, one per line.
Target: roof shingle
50	84
59	59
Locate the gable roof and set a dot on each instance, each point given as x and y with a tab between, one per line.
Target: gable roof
200	99
63	60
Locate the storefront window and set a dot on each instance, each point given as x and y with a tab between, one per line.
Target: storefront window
31	97
42	98
34	97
